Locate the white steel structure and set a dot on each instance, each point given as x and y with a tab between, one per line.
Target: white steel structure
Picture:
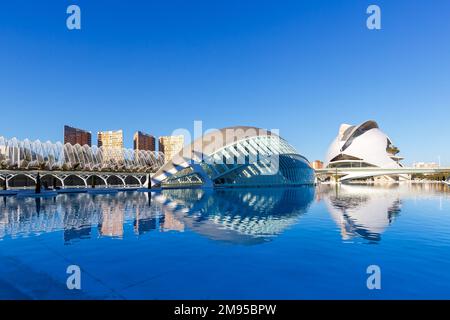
362	146
37	155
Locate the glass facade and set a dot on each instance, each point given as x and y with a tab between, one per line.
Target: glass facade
262	160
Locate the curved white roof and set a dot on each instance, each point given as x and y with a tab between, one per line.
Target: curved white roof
365	142
228	149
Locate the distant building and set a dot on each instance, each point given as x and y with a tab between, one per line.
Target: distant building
317	164
170	146
425	165
143	141
77	136
110	139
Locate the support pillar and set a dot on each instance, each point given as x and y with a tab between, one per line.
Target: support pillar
207	182
38	183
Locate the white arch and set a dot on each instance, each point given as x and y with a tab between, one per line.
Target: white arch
21	174
105	180
78	176
55	176
26	154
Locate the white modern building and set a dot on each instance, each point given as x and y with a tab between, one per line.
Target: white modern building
363	146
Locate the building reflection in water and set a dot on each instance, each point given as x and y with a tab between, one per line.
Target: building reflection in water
77	222
171	223
111	224
361	210
245	216
77	214
148	216
237	216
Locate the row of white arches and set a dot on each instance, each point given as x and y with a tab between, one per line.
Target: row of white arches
35	155
84	178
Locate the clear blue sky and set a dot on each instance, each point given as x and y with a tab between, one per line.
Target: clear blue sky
303	67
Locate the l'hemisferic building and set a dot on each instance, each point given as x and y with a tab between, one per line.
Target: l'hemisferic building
236	157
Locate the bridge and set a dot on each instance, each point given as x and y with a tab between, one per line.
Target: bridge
141	179
347	174
84	178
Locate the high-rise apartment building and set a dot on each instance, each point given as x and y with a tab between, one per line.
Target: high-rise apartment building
110	139
170	145
77	136
144	141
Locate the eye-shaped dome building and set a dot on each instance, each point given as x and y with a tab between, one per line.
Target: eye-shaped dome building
360	146
233	157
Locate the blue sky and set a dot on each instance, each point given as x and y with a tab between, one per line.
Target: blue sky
302	67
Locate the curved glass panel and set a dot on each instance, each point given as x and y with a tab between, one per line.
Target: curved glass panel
253	161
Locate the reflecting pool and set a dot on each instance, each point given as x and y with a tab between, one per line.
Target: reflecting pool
294	243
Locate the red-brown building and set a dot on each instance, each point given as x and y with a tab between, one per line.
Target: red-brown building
77	136
317	164
144	141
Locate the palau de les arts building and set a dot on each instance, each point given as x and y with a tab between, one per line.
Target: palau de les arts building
364	146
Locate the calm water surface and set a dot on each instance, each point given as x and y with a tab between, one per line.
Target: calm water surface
300	243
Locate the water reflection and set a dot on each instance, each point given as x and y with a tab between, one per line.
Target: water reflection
77	215
362	211
238	216
244	216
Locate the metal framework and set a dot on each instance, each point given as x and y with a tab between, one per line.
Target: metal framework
62	176
34	155
248	157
